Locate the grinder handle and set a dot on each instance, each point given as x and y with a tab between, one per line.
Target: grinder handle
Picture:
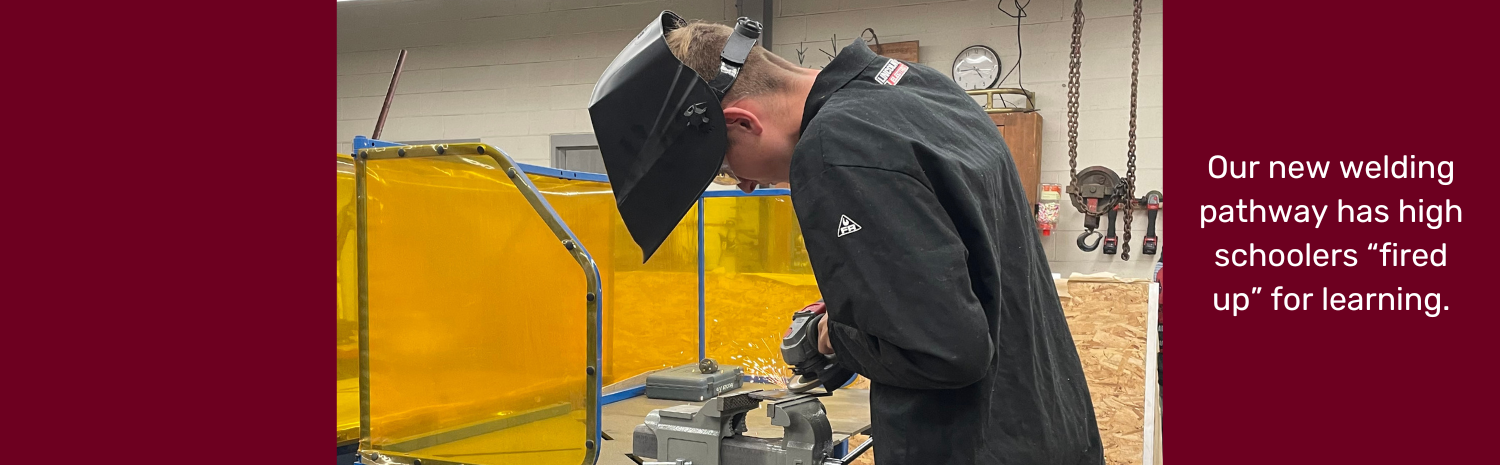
800	342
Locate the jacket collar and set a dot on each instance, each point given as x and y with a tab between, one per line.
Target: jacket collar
850	62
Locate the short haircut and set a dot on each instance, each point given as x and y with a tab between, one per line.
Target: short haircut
698	44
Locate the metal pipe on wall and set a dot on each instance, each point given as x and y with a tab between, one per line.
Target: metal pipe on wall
390	94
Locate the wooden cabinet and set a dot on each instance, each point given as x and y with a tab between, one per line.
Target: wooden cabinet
1023	134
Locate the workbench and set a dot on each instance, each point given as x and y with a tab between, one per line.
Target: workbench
848	414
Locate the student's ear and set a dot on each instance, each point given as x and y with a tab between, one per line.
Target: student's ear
739	119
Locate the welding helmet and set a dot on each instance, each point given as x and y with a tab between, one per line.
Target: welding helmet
661	128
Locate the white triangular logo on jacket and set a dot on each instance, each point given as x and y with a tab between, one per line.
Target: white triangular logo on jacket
847	225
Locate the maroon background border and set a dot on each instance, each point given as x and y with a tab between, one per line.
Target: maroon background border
1318	81
166	186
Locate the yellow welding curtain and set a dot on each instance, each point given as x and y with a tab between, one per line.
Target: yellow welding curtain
476	313
476	317
348	306
476	351
756	273
650	309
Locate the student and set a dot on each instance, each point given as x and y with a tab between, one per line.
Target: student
917	226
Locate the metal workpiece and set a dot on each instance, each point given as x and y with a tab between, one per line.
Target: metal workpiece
566	239
674	462
713	434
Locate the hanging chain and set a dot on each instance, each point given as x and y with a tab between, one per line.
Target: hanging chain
1075	58
1135	72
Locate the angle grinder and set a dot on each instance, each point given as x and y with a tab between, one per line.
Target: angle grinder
799	347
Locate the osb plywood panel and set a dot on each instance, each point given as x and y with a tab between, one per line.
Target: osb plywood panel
1108	322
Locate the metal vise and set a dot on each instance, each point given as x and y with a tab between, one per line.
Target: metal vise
712	434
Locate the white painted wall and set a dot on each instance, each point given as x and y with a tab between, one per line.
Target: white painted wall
511	73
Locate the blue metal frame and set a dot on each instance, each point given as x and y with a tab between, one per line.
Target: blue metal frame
362	142
562	174
621	395
702	351
756	193
702	339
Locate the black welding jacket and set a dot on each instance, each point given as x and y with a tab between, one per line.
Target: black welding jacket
937	287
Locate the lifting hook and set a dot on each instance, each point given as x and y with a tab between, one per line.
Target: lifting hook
1083	242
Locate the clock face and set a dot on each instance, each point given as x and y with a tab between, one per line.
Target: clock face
977	67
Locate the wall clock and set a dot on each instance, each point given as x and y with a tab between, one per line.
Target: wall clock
977	67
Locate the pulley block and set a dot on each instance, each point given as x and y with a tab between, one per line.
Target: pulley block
1096	192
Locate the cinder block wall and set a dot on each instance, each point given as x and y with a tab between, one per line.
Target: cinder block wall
509	73
512	73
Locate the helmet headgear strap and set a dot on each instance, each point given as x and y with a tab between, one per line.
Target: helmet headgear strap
736	50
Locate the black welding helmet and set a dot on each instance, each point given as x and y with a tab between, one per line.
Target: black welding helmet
661	128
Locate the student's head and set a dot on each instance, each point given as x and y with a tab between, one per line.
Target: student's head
763	110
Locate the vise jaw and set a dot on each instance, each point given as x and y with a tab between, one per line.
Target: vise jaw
713	434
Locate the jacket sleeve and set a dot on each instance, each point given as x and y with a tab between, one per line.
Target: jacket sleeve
894	273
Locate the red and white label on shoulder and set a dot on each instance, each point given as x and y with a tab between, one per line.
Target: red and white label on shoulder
892	72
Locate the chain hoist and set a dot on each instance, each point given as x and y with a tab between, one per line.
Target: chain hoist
1097	190
1135	76
1093	192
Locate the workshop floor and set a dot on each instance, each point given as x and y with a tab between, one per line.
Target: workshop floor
848	413
553	440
